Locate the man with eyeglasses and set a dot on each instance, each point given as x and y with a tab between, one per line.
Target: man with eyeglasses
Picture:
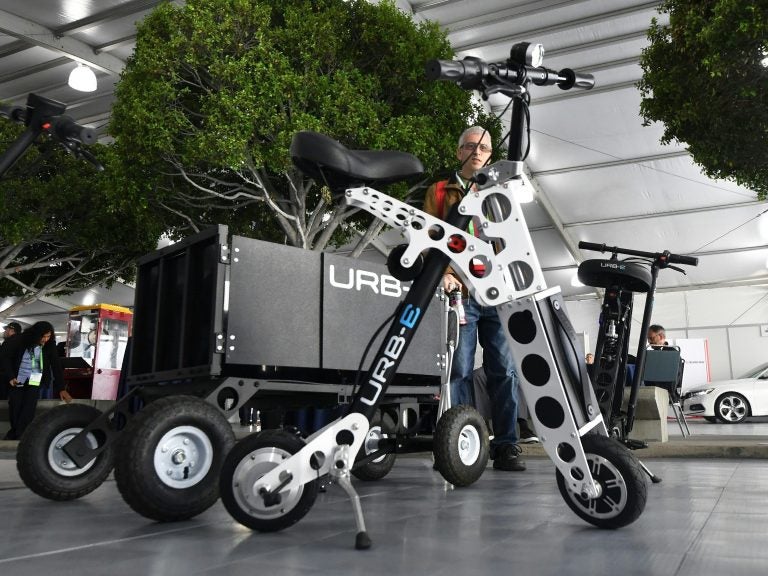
482	322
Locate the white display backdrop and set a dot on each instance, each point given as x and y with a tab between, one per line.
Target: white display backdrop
695	352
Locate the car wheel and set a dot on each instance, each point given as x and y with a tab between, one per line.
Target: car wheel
731	408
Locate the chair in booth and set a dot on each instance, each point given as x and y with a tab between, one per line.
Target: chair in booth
664	368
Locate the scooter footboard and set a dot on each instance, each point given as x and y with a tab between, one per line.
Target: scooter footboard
554	380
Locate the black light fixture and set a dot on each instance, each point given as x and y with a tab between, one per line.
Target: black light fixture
525	53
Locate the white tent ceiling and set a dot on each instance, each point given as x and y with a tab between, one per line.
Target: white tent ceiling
600	175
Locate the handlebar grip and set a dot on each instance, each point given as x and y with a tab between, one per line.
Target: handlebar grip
469	72
575	79
13	113
444	70
65	128
592	246
680	259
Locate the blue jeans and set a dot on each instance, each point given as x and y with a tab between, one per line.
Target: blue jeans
483	324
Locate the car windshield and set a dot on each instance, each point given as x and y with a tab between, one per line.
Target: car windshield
755	372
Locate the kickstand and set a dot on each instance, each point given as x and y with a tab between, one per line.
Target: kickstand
637	445
655	479
340	473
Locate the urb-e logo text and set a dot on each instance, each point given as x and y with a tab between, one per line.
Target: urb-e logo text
356	279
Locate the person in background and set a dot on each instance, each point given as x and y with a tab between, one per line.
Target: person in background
28	361
656	335
482	322
11	329
589	358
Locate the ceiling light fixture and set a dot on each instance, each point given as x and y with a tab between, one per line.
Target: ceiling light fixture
82	78
575	282
524	194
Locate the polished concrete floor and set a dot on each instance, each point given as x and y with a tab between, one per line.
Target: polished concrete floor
708	516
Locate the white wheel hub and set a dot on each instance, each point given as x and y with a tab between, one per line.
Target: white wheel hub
469	444
61	463
183	457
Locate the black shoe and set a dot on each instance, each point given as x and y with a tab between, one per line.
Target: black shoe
528	436
507	458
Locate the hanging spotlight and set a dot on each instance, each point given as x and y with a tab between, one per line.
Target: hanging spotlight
524	194
82	78
575	282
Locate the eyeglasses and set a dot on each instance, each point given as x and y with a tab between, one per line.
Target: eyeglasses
472	146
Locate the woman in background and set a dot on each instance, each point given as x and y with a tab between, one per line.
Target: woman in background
28	361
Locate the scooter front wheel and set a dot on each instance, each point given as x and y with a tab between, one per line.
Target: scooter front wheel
250	459
623	484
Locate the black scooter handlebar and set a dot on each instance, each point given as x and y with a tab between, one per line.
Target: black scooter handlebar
64	128
471	72
670	258
13	113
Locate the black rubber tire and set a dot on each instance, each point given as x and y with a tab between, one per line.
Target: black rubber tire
37	449
250	459
194	423
741	406
461	445
624	484
379	468
711	419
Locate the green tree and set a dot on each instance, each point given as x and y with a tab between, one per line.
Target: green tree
705	78
65	226
208	104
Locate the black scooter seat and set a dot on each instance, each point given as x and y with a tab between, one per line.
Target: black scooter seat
614	274
326	160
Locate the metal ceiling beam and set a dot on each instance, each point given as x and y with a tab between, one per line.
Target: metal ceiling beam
567	95
641	34
730	250
29	70
108	15
612	163
61	303
114	44
549	209
13	48
531	8
569	25
670	214
434	4
38	35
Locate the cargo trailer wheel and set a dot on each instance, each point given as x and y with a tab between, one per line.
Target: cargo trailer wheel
623	484
460	445
172	451
381	466
44	466
249	460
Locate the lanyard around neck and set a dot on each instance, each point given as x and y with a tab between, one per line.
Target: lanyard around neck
39	359
460	180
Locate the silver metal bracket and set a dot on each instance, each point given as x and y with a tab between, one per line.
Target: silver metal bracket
323	446
511	273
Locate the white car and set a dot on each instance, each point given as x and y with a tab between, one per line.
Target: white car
730	401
